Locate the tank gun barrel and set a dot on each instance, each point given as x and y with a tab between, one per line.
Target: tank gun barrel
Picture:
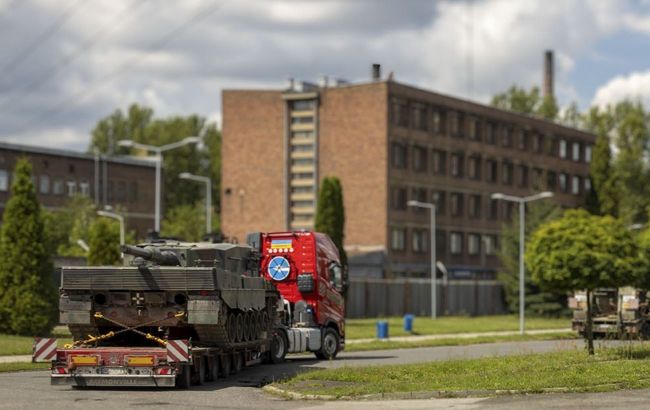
152	254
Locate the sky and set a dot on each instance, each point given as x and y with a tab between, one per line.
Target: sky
65	64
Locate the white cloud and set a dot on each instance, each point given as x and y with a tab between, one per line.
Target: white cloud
634	86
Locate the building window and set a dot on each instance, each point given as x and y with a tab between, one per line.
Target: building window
303	105
399	155
454	124
576	151
587	184
508	208
302	148
44	184
475	167
562	148
420	240
475	206
457	165
397	239
491	170
294	190
302	134
438	198
522	176
551	180
564	186
441	240
72	188
302	120
420	195
302	161
490	242
506	172
419	159
438	122
57	187
302	204
489	133
420	117
522	140
456	243
439	159
493	211
4	180
456	204
474	129
538	178
538	143
295	175
398	199
575	185
400	114
473	244
587	153
506	136
84	188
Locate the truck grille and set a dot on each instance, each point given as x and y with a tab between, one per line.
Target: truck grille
134	278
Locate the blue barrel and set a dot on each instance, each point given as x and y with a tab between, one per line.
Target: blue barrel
408	323
382	329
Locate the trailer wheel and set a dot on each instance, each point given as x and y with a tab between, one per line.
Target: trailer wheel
237	362
231	326
279	347
200	371
240	327
330	346
184	379
225	363
214	368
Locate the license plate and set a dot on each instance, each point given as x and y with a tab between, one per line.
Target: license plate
112	382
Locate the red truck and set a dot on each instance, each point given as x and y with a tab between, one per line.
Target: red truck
182	313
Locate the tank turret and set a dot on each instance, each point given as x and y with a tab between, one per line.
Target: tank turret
152	253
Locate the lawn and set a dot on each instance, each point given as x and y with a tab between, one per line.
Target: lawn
610	369
20	345
17	367
367	328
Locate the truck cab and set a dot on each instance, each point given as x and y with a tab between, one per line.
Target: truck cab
306	269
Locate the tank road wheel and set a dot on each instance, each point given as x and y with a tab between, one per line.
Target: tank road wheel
237	362
330	346
225	363
184	379
213	374
279	347
240	327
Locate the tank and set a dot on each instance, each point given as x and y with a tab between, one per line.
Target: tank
209	293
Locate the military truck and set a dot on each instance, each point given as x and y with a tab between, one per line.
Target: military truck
180	313
616	312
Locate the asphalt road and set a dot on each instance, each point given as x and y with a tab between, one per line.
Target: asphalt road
31	390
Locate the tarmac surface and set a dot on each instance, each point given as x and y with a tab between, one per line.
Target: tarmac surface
31	390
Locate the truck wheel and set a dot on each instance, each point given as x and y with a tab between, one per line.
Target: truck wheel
214	368
184	379
237	363
279	347
225	365
330	346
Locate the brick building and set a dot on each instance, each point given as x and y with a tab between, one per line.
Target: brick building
125	182
388	143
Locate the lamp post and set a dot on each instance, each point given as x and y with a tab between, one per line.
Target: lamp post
432	209
158	157
208	196
522	220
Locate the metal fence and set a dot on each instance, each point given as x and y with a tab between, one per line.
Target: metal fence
368	297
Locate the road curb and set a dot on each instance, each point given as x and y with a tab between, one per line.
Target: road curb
436	394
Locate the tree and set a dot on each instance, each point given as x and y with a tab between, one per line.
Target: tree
70	224
526	102
139	124
584	251
104	242
538	301
330	213
187	222
28	300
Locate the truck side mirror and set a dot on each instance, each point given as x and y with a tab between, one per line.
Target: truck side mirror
336	275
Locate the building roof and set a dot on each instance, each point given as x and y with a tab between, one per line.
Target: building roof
30	149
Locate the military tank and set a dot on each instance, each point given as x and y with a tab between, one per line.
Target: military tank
209	293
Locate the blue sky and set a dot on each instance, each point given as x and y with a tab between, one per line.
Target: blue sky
64	64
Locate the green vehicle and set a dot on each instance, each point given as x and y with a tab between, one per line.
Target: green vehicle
617	312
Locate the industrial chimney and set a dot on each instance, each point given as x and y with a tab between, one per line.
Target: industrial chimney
376	72
548	73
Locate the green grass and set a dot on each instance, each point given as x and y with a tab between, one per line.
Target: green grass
454	341
17	367
610	369
18	345
367	328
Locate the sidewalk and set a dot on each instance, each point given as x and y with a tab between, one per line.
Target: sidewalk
457	336
16	359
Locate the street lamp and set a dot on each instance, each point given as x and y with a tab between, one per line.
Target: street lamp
158	157
120	218
432	209
522	219
208	196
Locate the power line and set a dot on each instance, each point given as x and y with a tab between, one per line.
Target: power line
170	36
42	38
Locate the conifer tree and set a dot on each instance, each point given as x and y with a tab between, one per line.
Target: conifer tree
330	214
28	299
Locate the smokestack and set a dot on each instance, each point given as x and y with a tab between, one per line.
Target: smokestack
548	73
376	72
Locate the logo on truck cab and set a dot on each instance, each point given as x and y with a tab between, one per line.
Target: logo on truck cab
279	268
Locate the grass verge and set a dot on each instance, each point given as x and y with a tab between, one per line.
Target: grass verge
11	345
366	328
610	369
454	341
18	367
